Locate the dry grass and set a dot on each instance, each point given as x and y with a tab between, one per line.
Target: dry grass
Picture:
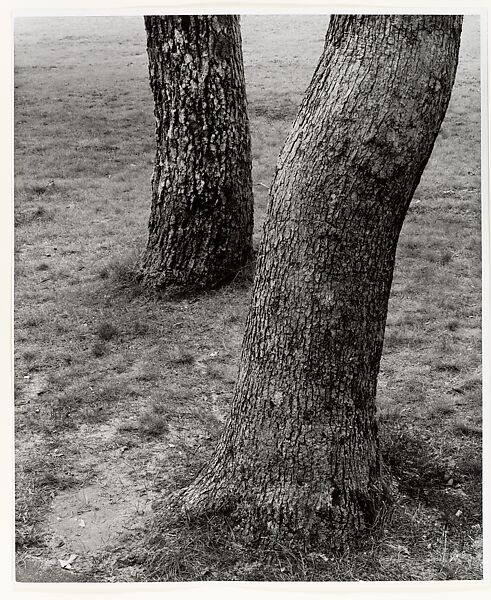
125	395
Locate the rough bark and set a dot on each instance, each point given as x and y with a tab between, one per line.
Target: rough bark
299	460
200	228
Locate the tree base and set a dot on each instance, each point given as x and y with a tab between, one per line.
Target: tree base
283	518
175	287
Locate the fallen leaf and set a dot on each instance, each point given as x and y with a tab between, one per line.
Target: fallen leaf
67	564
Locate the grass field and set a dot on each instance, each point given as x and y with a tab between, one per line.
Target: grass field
120	397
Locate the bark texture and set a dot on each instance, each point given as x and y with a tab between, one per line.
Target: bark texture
201	222
299	460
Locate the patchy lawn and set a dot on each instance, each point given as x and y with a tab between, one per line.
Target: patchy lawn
120	397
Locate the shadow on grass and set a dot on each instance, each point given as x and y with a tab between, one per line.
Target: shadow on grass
124	276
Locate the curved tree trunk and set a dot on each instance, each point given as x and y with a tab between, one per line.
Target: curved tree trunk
299	460
200	228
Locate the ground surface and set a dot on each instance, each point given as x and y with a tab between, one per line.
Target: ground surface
120	398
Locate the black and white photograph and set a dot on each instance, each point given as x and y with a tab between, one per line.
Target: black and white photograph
248	295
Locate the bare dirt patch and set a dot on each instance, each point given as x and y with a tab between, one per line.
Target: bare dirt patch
120	480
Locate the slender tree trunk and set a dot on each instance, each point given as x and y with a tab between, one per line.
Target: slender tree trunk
200	228
299	460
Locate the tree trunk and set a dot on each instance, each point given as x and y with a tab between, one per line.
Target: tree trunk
299	460
201	222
